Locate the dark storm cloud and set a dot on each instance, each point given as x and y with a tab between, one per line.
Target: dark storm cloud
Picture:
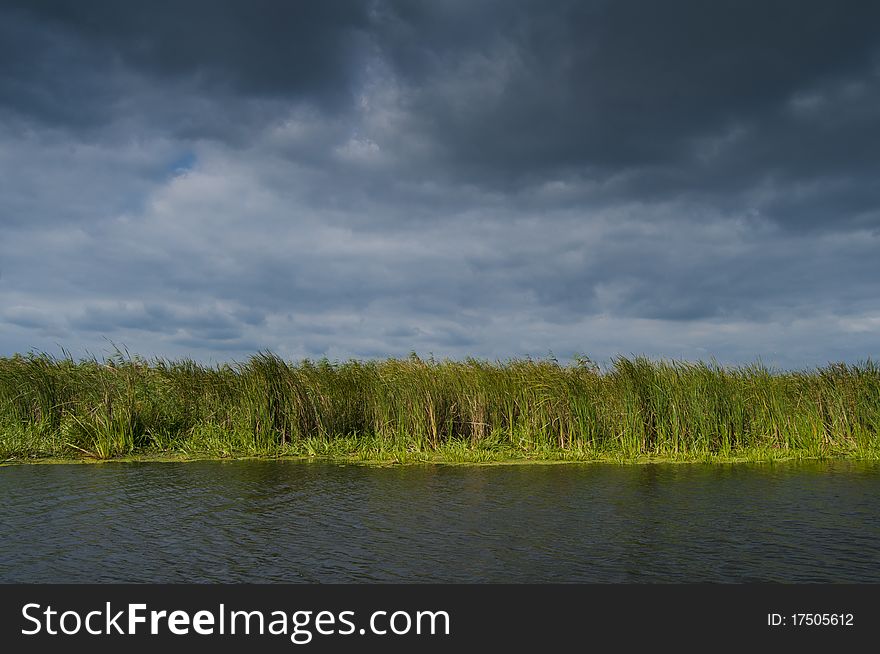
687	97
618	83
683	98
71	63
260	46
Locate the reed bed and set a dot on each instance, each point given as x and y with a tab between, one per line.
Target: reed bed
424	410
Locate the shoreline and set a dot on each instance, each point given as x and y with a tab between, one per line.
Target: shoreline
438	460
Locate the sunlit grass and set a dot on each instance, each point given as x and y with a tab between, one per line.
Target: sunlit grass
416	410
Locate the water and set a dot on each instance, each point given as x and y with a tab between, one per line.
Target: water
304	522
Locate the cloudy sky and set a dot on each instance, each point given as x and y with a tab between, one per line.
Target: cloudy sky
490	178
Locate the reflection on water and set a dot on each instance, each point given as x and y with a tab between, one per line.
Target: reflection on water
264	521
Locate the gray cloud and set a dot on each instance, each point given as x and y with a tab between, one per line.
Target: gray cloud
261	48
655	100
474	178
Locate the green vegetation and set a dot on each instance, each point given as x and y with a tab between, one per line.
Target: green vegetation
416	410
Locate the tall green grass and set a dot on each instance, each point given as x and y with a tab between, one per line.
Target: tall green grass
415	409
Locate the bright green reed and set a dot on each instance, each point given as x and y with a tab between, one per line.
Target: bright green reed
411	410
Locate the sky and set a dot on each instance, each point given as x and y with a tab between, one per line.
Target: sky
486	178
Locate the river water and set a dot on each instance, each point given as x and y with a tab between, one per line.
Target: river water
276	521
